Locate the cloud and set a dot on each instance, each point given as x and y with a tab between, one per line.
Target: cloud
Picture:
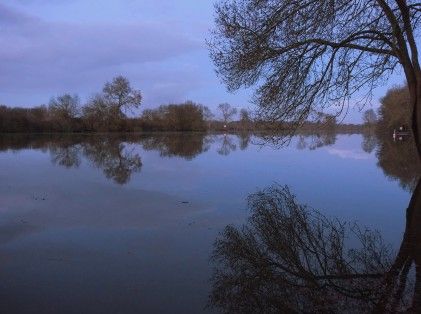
50	56
349	154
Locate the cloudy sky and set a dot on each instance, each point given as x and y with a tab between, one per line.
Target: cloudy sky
51	47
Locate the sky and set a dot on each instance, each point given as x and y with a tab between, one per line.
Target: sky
51	47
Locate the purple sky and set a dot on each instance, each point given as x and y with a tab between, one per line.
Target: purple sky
50	47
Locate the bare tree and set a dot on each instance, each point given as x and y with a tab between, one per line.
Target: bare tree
121	96
305	55
65	106
187	116
244	115
289	258
208	116
369	117
227	112
97	114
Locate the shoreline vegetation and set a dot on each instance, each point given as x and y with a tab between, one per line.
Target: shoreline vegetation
112	111
183	117
107	112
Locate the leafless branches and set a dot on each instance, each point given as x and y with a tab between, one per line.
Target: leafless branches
290	258
306	55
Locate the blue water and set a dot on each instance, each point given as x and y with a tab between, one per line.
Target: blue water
73	240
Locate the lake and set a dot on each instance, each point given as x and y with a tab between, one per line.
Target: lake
127	224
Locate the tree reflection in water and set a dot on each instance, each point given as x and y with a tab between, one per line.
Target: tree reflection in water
183	145
113	158
399	161
67	156
244	139
112	153
369	142
65	151
289	258
315	141
227	145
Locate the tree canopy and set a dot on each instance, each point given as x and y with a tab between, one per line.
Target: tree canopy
309	54
227	112
120	95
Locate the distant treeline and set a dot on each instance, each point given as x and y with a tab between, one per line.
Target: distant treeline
104	112
107	112
174	117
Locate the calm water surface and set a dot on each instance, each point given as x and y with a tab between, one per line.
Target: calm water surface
109	224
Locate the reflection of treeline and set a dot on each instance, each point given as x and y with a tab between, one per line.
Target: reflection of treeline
399	160
182	145
397	157
117	155
111	154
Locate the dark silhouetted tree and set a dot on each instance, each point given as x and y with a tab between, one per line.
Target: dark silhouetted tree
227	112
64	109
245	119
306	55
65	106
369	117
187	116
98	114
121	96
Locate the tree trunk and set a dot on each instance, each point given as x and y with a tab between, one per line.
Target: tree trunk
415	98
